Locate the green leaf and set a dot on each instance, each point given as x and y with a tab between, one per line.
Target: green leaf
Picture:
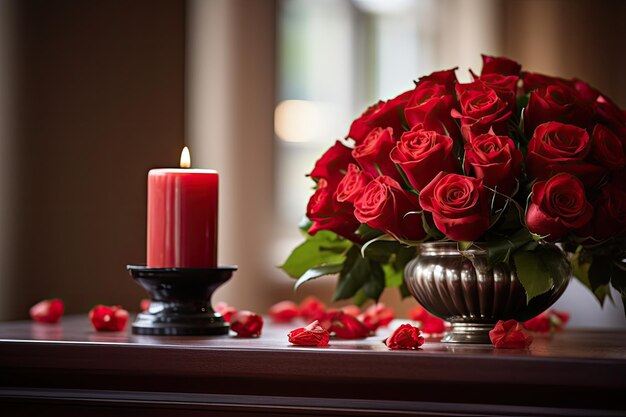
325	248
532	273
599	272
499	250
353	276
393	277
318	272
581	263
375	285
359	298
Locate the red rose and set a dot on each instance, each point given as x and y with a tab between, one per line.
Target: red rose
556	147
481	110
459	206
385	206
533	81
496	160
585	91
422	154
382	114
510	335
351	186
311	307
447	78
556	103
345	326
246	324
47	311
500	65
430	106
405	337
608	113
607	149
105	318
327	213
311	335
225	310
504	86
373	153
284	311
332	165
609	217
558	206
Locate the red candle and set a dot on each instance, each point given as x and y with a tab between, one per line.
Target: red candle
182	218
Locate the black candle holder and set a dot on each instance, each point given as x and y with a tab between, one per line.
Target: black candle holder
181	300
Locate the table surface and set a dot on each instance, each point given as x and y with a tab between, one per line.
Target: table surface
574	369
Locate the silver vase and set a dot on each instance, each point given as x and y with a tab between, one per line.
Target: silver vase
465	291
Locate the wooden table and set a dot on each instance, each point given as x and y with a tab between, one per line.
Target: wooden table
69	369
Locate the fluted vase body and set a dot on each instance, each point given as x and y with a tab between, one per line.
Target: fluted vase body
464	290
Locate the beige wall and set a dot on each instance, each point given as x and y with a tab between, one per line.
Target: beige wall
99	100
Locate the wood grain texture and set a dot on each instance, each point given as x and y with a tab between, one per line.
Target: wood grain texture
66	365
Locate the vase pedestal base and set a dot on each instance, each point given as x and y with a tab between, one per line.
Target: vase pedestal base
476	333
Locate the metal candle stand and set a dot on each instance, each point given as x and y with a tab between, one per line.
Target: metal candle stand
181	300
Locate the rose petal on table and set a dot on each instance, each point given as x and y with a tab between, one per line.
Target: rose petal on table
108	318
246	324
311	307
345	326
47	311
351	310
405	336
312	335
539	324
225	310
510	334
284	311
384	314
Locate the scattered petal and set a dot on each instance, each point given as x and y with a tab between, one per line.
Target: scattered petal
510	334
405	337
246	324
311	307
47	311
225	310
108	318
144	304
284	311
312	335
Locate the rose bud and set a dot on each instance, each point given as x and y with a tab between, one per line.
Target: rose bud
246	324
47	311
144	304
405	337
500	65
347	327
284	311
311	335
108	318
225	310
510	335
311	307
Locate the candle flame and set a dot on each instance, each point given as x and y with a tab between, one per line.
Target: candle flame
185	158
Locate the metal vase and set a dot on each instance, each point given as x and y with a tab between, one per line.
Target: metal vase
465	291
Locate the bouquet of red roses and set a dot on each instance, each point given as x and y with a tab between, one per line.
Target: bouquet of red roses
506	162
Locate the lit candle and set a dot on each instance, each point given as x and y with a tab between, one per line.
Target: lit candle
182	217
